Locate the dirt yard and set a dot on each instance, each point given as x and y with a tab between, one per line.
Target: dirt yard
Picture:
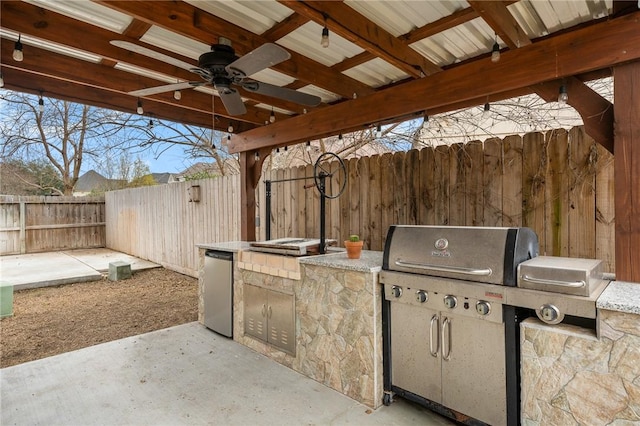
52	320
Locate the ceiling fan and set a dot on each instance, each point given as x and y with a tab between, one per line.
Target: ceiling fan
222	69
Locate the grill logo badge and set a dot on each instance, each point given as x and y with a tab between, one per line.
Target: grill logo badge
441	245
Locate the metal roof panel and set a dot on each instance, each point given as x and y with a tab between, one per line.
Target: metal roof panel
87	11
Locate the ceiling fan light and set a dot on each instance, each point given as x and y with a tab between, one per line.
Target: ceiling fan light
177	95
324	41
495	52
18	56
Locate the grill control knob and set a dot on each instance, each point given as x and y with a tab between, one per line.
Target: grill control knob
397	291
421	296
450	301
482	307
550	314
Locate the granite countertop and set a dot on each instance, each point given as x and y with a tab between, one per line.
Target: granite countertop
370	261
230	246
620	296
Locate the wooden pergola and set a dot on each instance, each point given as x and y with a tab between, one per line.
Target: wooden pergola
595	48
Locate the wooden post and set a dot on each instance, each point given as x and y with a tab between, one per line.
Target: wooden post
627	170
250	169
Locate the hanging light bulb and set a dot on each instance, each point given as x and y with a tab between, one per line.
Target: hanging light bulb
487	111
18	56
230	128
228	138
151	124
278	150
340	137
177	95
285	149
425	122
495	52
139	110
563	96
308	146
378	131
324	41
257	156
41	104
1	80
272	117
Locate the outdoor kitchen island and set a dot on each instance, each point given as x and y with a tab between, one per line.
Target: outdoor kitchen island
322	315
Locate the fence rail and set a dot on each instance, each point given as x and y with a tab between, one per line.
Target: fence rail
31	224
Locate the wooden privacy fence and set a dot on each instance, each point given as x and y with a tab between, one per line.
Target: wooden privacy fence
560	184
160	223
31	224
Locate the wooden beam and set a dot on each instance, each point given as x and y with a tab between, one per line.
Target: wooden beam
598	46
496	14
194	23
596	111
627	171
346	22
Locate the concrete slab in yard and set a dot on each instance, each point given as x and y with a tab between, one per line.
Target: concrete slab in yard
56	268
100	258
44	269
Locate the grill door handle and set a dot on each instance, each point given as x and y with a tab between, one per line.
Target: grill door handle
437	268
434	321
446	338
572	284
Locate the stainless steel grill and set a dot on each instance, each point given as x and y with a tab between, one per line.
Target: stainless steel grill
450	341
453	300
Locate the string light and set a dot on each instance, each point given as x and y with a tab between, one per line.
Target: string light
230	128
379	131
495	52
151	124
563	96
272	117
18	56
41	104
140	110
1	80
324	40
487	110
177	95
340	137
257	156
308	146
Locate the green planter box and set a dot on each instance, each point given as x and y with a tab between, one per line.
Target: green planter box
6	300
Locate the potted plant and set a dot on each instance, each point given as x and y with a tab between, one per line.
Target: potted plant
353	246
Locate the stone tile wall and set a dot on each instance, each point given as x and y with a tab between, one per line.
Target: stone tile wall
569	377
338	327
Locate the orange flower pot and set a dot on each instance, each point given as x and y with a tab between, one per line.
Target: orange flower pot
354	249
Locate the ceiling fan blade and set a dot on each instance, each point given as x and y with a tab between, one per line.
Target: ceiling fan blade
167	88
152	54
265	56
232	101
282	93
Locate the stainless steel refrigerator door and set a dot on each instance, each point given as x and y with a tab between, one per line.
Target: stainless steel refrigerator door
218	292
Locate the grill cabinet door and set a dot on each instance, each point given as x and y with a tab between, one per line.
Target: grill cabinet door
255	311
281	321
473	379
413	367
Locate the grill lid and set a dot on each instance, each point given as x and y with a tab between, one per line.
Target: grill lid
481	254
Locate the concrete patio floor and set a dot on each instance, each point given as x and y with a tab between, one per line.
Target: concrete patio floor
184	375
63	267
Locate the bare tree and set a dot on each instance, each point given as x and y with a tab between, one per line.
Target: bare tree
64	133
